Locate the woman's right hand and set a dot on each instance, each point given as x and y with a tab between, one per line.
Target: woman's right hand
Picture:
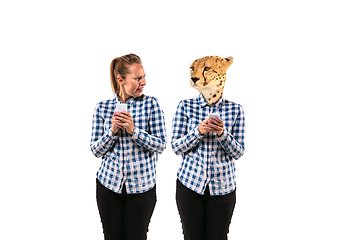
204	127
115	126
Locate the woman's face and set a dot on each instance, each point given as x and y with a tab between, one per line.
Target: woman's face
134	82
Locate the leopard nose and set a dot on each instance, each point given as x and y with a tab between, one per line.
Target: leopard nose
195	79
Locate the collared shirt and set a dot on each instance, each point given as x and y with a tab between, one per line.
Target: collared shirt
208	159
129	160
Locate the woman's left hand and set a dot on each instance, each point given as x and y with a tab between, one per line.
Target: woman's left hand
216	125
125	119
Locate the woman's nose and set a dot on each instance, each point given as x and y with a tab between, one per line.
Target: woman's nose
143	81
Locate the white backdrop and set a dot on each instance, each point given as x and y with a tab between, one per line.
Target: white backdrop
55	58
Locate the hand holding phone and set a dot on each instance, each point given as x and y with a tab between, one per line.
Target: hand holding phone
212	124
116	121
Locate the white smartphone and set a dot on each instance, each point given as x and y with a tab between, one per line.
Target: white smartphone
121	107
213	115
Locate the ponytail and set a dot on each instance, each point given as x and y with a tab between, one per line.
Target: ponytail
115	86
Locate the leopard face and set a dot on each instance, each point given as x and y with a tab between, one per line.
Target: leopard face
208	76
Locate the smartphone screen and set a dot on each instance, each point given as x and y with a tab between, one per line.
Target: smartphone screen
121	107
213	115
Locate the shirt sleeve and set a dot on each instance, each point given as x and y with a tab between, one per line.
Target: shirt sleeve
234	143
183	140
101	140
155	139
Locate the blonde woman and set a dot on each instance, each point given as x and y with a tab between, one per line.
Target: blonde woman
128	142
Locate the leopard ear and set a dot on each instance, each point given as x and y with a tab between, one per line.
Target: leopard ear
229	59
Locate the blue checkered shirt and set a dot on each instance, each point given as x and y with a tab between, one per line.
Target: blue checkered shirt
208	159
129	160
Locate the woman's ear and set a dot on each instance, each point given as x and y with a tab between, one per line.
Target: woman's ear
120	80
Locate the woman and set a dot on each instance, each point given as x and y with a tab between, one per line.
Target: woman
206	184
128	143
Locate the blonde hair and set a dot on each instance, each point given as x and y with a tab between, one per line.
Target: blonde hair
119	66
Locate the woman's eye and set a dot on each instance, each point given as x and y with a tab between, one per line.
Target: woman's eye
139	78
207	68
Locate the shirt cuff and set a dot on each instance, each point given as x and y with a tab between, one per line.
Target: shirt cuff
110	133
223	135
197	133
136	133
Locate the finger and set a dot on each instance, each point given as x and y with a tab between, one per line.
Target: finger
117	122
120	114
217	120
126	114
113	120
212	123
119	118
122	118
216	127
117	126
219	123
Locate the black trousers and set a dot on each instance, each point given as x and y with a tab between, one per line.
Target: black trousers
204	217
125	216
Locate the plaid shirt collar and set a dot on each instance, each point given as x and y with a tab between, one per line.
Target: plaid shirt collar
130	101
203	102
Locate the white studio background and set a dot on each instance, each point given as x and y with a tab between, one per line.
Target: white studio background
55	58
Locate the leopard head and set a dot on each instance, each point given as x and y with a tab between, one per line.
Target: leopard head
208	76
